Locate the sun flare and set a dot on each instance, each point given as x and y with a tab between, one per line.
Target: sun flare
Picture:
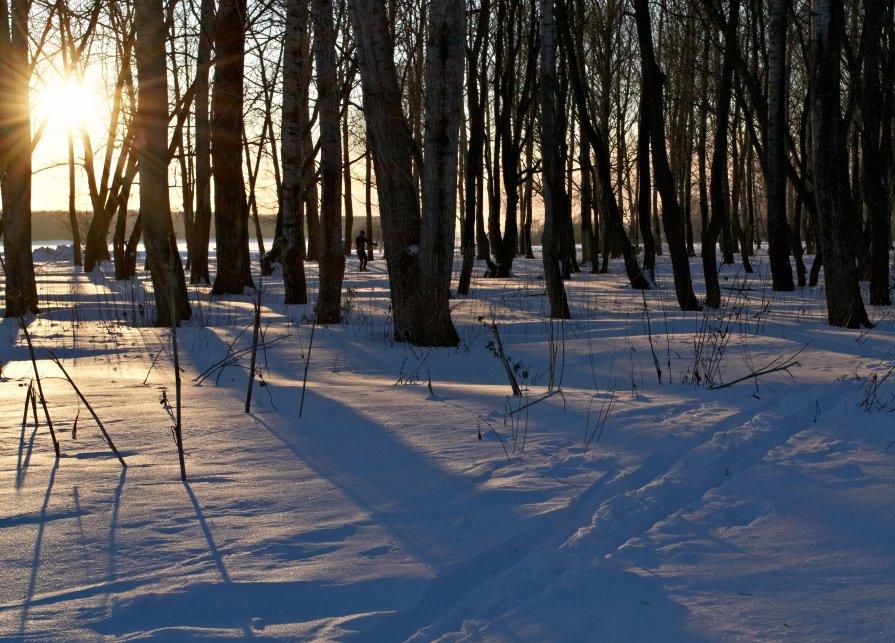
67	103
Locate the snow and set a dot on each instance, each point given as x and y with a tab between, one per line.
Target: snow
403	493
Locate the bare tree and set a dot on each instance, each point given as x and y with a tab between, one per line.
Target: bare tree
672	218
295	60
332	257
876	145
230	206
151	144
775	178
199	272
445	52
393	147
845	307
15	158
554	185
719	188
597	140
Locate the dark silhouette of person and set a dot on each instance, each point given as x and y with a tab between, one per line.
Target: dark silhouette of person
361	244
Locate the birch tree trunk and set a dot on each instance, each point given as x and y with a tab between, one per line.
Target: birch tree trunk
169	286
554	185
391	141
292	209
445	53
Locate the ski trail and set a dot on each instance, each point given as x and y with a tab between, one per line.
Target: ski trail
558	553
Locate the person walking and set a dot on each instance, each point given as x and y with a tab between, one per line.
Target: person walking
361	244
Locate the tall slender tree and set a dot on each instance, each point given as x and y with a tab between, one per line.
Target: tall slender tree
15	158
554	183
169	286
231	208
876	145
416	319
199	272
598	141
775	132
830	165
653	81
332	258
719	188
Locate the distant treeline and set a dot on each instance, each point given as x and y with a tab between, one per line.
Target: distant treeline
54	225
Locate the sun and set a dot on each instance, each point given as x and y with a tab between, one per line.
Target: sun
67	104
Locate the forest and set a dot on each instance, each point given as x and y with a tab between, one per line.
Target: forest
600	129
620	367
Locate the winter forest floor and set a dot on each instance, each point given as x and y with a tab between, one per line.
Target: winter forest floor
404	493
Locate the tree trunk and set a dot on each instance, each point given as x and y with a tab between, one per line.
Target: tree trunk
169	286
598	141
653	81
292	153
718	183
332	257
554	185
876	150
347	182
775	178
829	161
15	159
476	147
392	145
230	205
443	116
644	190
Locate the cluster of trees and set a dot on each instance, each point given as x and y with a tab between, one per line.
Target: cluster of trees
760	120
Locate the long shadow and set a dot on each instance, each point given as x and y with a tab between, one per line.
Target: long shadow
24	458
35	562
214	551
391	482
206	531
113	528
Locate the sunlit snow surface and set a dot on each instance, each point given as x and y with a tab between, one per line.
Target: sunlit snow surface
415	498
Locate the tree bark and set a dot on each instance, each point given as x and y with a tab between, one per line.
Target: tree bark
15	159
392	145
169	286
718	184
652	85
475	153
829	161
294	117
554	185
445	46
644	191
332	257
230	206
199	273
775	177
876	149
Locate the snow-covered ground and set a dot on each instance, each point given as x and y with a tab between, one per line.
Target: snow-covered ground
404	493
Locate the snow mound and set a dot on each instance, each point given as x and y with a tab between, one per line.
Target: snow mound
59	253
